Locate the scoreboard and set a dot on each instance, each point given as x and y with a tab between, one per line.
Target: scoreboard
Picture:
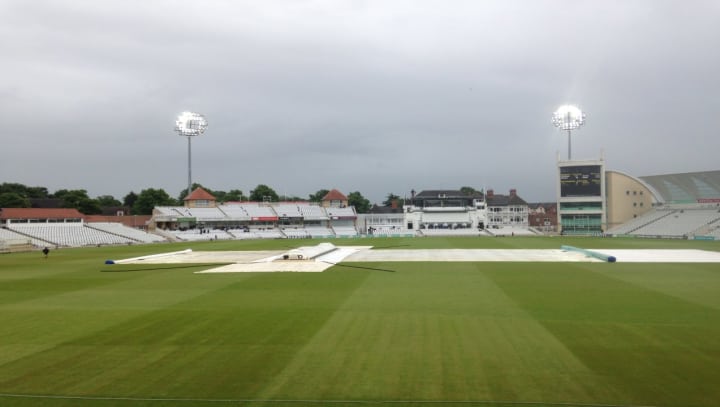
581	181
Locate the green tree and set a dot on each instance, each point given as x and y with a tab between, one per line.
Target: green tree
318	196
13	200
108	200
149	199
78	199
37	192
469	191
292	198
89	206
25	191
262	193
19	189
361	204
392	198
235	195
129	199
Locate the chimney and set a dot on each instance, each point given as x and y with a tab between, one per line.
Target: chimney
490	193
513	192
394	204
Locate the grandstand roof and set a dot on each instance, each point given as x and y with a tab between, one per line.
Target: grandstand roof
334	195
686	187
40	213
446	193
199	194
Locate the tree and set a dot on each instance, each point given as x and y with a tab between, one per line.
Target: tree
19	189
78	199
390	198
108	200
89	206
13	200
263	193
361	204
24	191
149	199
318	196
235	195
130	199
37	192
469	191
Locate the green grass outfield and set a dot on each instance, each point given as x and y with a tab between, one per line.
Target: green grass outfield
77	332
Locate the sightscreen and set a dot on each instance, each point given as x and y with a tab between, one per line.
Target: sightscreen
580	180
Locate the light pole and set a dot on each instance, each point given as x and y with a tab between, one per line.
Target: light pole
568	117
190	124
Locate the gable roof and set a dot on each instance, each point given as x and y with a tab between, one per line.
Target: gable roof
505	200
199	194
40	213
334	195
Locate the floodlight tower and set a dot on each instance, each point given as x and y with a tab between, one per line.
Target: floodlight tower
568	117
190	124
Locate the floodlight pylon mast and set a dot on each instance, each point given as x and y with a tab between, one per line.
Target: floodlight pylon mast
189	165
190	124
568	117
569	141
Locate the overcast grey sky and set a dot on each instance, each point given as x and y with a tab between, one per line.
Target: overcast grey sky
371	96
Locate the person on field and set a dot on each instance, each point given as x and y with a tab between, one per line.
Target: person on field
46	251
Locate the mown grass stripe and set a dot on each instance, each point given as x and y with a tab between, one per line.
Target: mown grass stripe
320	401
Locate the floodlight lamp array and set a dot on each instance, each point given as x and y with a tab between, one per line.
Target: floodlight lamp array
190	124
568	117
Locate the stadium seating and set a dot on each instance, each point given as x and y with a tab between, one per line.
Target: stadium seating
7	234
256	210
68	234
295	233
206	213
128	232
312	212
639	222
348	211
680	223
450	232
319	231
511	231
288	210
345	231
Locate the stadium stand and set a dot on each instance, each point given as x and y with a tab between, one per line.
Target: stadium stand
312	212
680	223
348	211
345	231
67	234
268	233
7	234
205	213
319	231
235	211
257	210
287	210
202	234
121	230
510	231
639	222
296	233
